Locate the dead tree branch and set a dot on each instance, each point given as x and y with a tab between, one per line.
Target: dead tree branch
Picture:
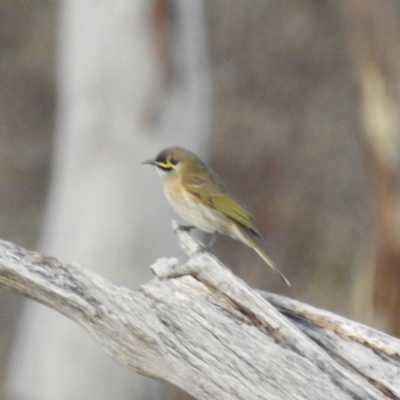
201	328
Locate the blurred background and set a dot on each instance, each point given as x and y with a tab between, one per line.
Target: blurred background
295	103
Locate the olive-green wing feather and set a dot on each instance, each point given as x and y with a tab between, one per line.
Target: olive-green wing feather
224	202
233	209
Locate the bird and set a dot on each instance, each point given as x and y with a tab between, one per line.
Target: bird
201	198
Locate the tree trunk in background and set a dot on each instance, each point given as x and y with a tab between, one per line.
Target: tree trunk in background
374	37
134	78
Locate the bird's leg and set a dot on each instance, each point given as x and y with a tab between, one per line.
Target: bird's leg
188	228
212	240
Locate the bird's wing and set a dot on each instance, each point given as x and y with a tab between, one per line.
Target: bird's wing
224	202
233	209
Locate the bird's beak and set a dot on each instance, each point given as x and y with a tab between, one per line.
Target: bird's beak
150	162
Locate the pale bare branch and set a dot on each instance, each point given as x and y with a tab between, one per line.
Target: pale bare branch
201	328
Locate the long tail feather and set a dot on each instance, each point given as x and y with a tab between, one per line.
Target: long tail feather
270	263
252	243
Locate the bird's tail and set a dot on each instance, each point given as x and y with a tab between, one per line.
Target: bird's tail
253	244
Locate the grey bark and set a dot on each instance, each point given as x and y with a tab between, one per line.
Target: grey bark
201	328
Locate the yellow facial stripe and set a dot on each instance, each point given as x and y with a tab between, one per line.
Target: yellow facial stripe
166	165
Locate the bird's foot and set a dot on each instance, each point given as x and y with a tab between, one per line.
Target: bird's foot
186	228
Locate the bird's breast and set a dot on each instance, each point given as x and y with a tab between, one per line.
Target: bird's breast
190	208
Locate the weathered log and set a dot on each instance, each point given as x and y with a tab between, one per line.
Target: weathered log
201	328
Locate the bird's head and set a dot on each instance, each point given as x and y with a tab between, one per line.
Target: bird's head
176	161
